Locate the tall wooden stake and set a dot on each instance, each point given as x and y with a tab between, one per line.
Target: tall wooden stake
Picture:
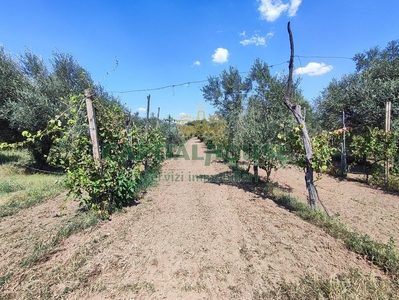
388	116
387	128
148	113
92	124
344	165
296	111
159	109
146	125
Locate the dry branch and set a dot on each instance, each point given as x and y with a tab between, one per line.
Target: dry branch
296	110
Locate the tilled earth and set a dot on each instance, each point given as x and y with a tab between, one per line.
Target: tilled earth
189	238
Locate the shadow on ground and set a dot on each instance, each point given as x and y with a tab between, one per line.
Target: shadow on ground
246	181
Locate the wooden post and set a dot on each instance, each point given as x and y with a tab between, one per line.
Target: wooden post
344	165
388	116
148	113
129	127
129	162
387	128
159	109
146	126
92	124
296	111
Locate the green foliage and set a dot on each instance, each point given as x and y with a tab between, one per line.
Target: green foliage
227	93
19	190
34	95
119	176
375	147
4	279
54	126
263	121
254	113
321	147
171	132
10	88
363	94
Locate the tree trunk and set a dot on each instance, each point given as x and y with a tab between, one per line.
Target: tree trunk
40	150
256	173
296	111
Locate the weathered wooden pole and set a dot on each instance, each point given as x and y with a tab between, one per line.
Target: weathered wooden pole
388	116
129	162
146	126
92	123
159	109
296	111
344	165
148	113
387	128
129	127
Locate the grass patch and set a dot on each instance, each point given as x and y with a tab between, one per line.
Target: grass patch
354	285
13	156
144	285
147	180
42	251
19	191
6	278
7	187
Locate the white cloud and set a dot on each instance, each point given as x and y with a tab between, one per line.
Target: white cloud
257	40
197	63
242	33
270	10
141	109
220	56
314	69
294	7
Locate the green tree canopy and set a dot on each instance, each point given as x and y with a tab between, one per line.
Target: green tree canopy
363	93
32	94
227	93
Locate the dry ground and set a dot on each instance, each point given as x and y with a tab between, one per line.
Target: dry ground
367	210
190	240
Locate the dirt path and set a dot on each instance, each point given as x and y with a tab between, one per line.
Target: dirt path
189	240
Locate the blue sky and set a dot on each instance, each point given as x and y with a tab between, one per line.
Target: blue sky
161	43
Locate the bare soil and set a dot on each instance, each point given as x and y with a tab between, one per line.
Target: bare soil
191	239
365	209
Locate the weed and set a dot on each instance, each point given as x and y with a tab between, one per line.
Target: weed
42	250
7	187
353	285
67	290
40	253
144	285
6	278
